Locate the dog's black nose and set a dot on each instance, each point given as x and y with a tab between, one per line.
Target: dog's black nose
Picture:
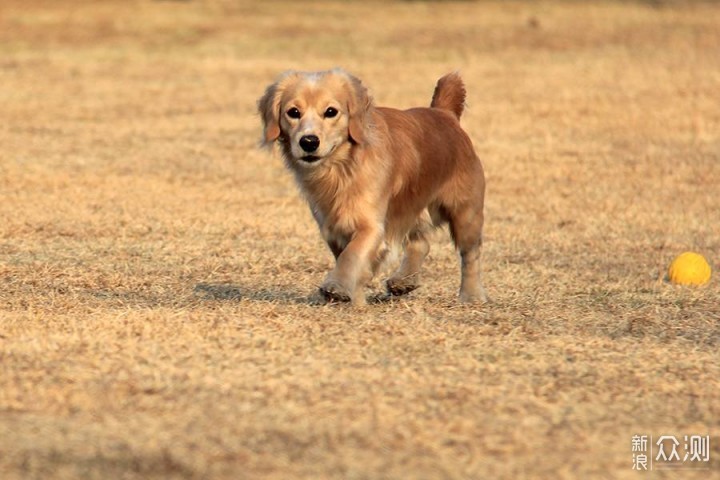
309	143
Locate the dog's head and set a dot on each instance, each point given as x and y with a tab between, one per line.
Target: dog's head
315	113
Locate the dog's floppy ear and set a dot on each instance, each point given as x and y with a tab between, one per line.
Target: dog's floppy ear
359	106
269	109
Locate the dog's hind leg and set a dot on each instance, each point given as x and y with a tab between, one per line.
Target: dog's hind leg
380	256
466	224
416	247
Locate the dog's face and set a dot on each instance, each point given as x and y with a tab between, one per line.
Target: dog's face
313	114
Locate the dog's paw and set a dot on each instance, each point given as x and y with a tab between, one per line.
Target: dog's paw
379	298
476	297
332	291
401	286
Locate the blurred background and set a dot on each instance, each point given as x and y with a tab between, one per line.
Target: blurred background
157	267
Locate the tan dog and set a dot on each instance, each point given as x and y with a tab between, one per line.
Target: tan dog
375	176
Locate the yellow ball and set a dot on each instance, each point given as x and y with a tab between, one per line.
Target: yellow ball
689	268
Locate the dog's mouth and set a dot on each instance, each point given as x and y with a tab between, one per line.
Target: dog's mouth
310	158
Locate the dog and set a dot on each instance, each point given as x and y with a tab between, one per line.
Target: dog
376	177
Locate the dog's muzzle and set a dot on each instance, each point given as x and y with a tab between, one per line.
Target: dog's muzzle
309	144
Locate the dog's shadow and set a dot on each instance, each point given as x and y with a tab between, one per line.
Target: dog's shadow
235	293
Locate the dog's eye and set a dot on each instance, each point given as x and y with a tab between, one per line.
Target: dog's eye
294	113
331	112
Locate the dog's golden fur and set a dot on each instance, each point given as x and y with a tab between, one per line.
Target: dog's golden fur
374	176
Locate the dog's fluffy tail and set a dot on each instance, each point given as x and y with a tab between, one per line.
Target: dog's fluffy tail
450	94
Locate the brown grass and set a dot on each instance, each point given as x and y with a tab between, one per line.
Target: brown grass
156	268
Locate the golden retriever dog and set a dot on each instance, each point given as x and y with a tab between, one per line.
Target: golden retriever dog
377	176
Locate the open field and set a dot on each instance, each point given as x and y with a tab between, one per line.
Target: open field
157	268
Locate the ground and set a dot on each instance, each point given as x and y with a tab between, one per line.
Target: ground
157	268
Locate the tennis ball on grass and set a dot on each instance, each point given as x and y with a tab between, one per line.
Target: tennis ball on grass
689	268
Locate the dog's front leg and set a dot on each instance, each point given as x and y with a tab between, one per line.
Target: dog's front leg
353	266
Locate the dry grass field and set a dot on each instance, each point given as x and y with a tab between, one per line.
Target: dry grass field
157	269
